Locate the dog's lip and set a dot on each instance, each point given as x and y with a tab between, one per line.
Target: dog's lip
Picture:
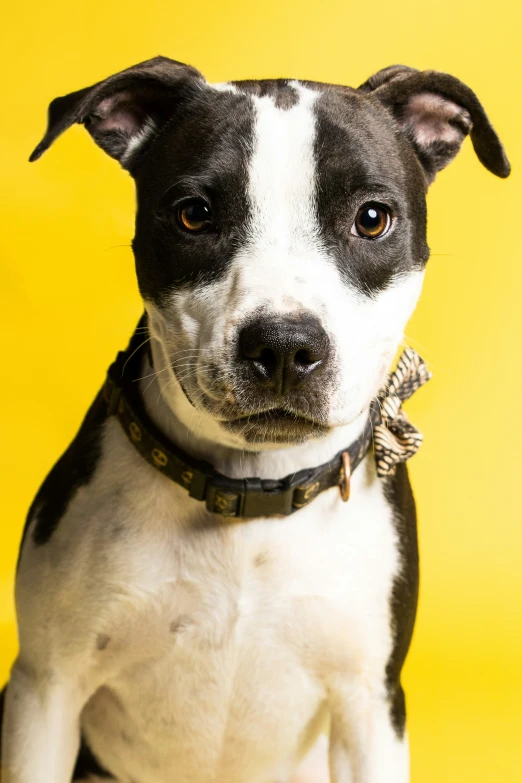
273	415
266	414
275	425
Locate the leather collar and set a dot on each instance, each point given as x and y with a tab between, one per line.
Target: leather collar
235	498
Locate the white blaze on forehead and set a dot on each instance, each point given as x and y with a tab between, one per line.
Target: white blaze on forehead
282	173
224	87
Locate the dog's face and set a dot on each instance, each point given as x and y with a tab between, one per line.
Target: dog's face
281	233
280	243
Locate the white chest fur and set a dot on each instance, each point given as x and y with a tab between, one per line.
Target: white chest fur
201	638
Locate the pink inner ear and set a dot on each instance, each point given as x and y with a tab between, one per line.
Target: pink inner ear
429	116
120	114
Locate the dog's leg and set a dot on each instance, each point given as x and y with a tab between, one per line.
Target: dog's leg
314	767
364	745
40	728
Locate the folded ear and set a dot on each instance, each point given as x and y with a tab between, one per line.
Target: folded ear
122	111
437	111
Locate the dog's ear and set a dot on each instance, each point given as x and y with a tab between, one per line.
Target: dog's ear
124	110
437	111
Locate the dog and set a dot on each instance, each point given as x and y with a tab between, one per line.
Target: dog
178	619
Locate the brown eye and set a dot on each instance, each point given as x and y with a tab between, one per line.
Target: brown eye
194	215
372	221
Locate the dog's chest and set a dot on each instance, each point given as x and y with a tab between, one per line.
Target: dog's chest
232	632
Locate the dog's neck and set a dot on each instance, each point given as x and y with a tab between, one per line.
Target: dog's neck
236	462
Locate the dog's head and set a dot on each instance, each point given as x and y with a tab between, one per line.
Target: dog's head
281	232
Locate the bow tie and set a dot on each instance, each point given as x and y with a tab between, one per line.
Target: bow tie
394	438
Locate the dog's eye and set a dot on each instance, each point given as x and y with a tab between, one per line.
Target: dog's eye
372	221
194	215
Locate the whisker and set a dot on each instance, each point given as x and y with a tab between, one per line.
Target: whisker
425	354
151	375
113	247
134	352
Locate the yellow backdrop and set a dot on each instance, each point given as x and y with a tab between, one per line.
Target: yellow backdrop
69	301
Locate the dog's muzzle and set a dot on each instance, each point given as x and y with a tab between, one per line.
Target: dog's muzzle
281	373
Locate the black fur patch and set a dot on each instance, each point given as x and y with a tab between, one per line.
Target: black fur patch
74	469
404	597
204	154
360	158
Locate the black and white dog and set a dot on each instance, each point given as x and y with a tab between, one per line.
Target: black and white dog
280	247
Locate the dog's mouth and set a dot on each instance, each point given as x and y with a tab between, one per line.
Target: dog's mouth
276	425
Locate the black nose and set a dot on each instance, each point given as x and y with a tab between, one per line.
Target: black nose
282	352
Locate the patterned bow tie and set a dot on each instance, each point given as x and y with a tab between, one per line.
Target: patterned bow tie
394	438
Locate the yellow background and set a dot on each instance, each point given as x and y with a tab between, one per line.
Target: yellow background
69	301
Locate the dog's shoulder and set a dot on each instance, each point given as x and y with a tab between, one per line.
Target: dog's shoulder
74	469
